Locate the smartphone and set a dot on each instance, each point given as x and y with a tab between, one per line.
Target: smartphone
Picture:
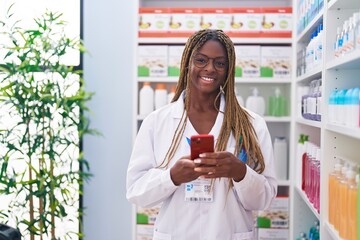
200	144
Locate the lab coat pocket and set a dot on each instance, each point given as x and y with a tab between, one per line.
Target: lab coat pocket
243	236
161	236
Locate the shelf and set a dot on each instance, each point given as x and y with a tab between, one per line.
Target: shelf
312	74
347	131
283	182
267	119
306	33
277	119
331	231
174	40
308	203
310	123
263	80
237	80
343	4
349	61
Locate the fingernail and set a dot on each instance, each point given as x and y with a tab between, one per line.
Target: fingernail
197	160
202	155
197	169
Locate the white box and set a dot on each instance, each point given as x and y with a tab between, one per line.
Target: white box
247	61
215	18
277	216
152	61
174	60
144	232
153	21
184	20
246	21
277	20
276	62
272	234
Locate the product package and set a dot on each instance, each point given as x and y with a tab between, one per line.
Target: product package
174	60
245	22
184	21
275	62
152	61
247	61
153	22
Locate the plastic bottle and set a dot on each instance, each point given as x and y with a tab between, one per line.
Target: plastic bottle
332	106
357	31
358	207
347	107
277	104
354	108
337	42
302	236
351	231
280	156
313	230
300	150
256	103
319	44
146	99
318	96
171	94
339	179
239	98
342	200
160	95
331	187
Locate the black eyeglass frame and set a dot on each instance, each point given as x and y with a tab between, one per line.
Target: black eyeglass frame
222	67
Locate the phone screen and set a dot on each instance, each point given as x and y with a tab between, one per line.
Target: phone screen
200	144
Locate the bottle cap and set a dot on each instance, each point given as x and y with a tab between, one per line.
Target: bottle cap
172	88
160	86
146	84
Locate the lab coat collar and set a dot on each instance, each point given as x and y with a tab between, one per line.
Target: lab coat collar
179	105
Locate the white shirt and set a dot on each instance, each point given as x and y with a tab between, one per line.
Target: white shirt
229	216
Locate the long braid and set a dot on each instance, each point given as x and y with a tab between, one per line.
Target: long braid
236	120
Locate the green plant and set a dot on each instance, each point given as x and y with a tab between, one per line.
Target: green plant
42	122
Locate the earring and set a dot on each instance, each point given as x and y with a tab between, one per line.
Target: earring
222	89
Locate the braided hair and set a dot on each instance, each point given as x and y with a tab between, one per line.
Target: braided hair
236	120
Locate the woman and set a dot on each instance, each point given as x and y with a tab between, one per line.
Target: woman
211	197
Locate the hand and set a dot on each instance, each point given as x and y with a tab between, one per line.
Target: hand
220	164
183	171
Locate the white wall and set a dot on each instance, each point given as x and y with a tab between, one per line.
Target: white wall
110	36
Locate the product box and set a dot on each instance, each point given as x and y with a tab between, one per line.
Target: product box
184	21
272	234
215	18
174	60
277	216
152	61
275	62
247	61
144	232
276	22
153	22
245	22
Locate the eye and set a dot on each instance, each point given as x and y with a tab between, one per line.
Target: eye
220	63
200	60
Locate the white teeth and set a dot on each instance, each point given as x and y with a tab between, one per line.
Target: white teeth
208	79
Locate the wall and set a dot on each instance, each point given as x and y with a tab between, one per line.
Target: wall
109	70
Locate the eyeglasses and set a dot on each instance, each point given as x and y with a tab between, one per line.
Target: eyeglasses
201	61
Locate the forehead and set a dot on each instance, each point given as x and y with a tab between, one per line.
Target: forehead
213	48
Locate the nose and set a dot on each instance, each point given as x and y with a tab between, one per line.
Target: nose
210	66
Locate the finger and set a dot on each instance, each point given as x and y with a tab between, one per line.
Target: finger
205	161
205	169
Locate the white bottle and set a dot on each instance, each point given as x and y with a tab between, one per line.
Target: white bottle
280	158
146	99
256	103
161	95
239	98
171	94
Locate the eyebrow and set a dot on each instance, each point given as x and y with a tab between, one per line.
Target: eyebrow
208	56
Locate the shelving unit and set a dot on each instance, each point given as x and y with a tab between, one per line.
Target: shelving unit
336	141
278	126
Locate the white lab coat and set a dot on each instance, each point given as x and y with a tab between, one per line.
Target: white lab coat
229	216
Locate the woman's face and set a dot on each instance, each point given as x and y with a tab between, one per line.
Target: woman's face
209	68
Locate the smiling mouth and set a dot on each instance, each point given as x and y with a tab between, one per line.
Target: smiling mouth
207	79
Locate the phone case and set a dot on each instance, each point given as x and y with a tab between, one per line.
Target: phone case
200	144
